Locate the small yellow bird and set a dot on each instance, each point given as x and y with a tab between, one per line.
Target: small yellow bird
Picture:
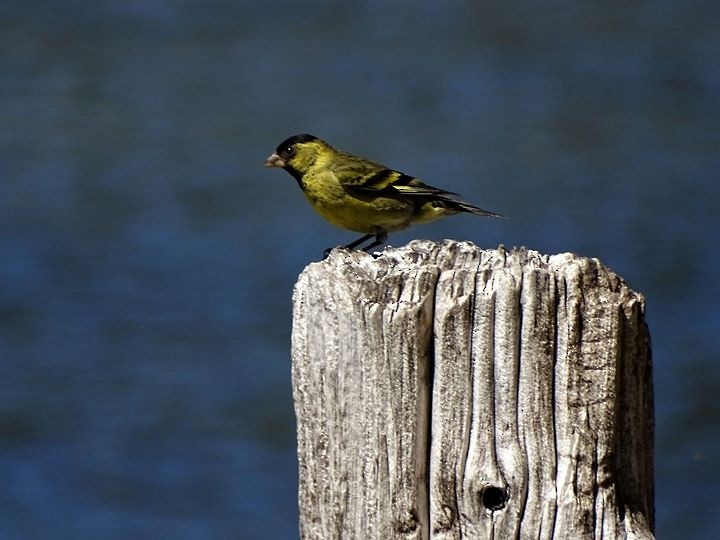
361	195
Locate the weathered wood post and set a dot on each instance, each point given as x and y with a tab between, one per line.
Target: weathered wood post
443	391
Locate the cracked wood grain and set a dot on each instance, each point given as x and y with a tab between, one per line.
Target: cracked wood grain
444	391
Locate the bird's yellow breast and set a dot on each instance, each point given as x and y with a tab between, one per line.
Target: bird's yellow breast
360	213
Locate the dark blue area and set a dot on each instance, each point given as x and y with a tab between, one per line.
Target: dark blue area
147	258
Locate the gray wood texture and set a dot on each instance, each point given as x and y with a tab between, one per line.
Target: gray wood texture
448	392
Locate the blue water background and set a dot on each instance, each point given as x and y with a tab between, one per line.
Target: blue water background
147	258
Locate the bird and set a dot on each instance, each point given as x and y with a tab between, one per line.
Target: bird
360	195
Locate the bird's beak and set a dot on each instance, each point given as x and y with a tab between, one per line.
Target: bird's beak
274	161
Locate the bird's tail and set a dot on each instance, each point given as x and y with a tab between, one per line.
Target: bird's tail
462	206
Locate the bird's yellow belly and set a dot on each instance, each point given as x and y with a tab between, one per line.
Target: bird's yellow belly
363	215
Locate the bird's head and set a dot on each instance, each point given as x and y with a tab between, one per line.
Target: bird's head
297	154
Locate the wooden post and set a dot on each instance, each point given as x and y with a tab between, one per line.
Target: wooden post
448	392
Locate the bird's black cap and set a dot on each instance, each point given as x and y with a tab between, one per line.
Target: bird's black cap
301	138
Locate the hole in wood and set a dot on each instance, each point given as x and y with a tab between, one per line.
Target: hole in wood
493	497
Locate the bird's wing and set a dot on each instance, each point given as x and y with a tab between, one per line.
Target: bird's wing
363	176
368	178
388	180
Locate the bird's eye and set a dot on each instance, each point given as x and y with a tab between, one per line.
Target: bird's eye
290	150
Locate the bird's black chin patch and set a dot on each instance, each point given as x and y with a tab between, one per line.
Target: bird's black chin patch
297	175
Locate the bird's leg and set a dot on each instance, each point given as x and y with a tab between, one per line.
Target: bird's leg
380	238
351	245
356	243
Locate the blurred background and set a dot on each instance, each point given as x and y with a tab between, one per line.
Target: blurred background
147	258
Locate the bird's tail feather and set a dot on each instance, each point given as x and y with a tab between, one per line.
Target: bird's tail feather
462	206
